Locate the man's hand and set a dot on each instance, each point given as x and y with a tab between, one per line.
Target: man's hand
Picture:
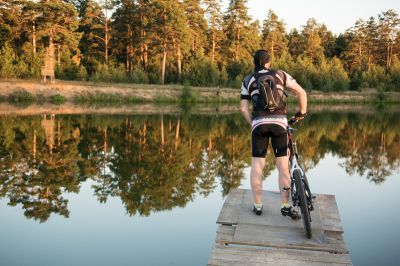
297	117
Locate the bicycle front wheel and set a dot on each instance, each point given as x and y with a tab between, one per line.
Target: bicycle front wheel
301	194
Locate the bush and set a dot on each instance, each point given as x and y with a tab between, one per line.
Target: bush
105	73
58	99
376	78
355	81
223	76
138	76
67	71
237	70
118	74
395	74
331	76
29	63
101	73
304	71
82	73
22	96
202	72
7	60
187	95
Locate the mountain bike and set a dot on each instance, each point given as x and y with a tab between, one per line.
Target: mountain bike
300	189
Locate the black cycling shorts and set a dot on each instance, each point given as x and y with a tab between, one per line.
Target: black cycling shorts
260	140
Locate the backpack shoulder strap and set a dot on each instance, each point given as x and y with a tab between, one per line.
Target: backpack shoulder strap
282	75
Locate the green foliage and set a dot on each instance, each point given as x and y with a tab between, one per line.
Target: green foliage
138	76
304	71
22	97
82	73
7	60
58	99
395	74
191	41
376	77
202	72
187	97
105	73
331	76
236	71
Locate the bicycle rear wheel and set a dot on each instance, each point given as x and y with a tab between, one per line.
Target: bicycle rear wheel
305	213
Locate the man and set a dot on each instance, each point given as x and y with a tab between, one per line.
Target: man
270	124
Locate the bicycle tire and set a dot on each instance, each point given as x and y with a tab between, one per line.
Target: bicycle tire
305	213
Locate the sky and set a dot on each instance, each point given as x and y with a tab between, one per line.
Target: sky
337	15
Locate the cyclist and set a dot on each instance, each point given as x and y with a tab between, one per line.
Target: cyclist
270	125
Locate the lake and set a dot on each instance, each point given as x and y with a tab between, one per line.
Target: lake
147	189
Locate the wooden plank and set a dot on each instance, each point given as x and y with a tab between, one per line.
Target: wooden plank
330	213
230	210
337	248
242	234
225	233
335	239
234	255
271	212
290	239
265	235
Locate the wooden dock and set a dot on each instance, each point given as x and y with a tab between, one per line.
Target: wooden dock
271	239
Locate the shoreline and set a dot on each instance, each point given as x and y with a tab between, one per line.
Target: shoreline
7	109
62	92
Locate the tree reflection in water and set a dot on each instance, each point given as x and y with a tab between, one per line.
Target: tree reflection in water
159	162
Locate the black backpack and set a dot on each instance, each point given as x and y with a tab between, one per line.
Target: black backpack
270	98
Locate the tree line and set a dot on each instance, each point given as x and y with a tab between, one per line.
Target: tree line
159	162
194	41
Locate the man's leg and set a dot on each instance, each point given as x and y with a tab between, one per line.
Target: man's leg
257	166
282	163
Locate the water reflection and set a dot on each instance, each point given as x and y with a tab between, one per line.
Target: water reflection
159	162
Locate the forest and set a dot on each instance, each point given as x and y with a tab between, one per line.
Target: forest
159	162
193	42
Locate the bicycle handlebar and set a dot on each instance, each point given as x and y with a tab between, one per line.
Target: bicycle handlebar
296	118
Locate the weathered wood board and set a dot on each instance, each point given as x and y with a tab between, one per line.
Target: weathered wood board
246	239
236	255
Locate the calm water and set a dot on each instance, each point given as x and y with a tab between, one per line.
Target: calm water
147	190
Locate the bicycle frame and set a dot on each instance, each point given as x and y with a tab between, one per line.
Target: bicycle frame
295	166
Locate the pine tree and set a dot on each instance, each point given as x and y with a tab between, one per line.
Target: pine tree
10	22
215	33
295	45
340	46
197	26
57	23
327	41
312	45
371	41
389	23
124	21
236	27
356	55
91	26
168	26
274	36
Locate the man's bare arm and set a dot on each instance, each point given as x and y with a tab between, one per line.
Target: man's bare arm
244	109
301	94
